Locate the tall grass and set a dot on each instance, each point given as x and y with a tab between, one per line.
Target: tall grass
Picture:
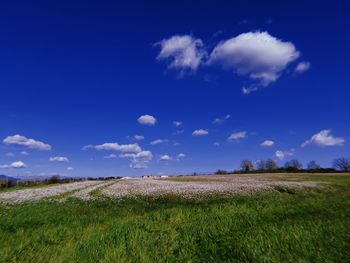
288	226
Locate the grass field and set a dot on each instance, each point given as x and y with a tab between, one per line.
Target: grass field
286	225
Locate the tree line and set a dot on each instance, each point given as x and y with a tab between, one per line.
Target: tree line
340	164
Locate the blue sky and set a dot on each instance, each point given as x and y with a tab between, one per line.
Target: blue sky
78	74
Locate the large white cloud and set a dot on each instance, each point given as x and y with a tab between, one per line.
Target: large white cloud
184	52
147	120
26	142
59	159
109	146
236	136
324	138
257	54
200	132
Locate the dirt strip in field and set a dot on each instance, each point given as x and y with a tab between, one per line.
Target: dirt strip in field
20	196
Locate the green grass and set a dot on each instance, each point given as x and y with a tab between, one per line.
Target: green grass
286	226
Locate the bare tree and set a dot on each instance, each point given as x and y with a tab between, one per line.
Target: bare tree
270	165
293	165
312	165
247	166
342	164
260	165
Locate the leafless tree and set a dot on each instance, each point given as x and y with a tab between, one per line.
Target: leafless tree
342	164
312	165
270	165
260	165
247	166
293	164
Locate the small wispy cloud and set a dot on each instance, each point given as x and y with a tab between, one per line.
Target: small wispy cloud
221	120
237	136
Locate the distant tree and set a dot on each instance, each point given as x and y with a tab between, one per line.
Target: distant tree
54	180
261	165
220	172
247	166
270	165
293	165
342	164
312	165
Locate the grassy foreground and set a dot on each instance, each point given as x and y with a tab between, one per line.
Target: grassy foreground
286	226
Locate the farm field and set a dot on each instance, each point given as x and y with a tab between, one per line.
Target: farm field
219	218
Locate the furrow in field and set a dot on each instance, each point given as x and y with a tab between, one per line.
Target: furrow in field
86	193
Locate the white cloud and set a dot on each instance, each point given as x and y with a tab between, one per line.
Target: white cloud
108	146
324	138
257	54
111	156
15	165
237	136
25	142
139	137
183	52
123	155
138	165
177	123
159	141
216	144
138	160
221	120
200	132
70	168
147	120
248	90
302	67
267	143
283	154
24	153
141	160
59	159
181	155
165	157
9	154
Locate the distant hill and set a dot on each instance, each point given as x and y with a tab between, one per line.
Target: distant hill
5	177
